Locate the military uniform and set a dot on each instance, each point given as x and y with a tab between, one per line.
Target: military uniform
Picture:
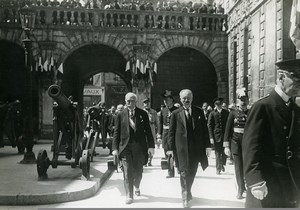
271	151
233	139
216	126
164	123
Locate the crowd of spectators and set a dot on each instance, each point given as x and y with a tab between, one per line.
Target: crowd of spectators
142	5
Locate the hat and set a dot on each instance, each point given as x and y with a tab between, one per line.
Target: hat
218	99
146	100
167	93
241	92
292	66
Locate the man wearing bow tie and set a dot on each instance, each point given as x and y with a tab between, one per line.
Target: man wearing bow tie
271	144
188	137
132	143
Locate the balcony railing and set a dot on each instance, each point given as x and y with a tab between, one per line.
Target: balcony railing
80	17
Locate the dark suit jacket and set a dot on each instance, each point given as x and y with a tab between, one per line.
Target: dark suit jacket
178	137
143	131
216	124
266	141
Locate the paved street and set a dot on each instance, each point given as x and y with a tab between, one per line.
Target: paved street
209	191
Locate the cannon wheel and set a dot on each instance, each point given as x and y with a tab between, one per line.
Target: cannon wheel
85	164
43	163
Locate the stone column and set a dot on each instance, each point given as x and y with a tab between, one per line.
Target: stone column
142	89
222	90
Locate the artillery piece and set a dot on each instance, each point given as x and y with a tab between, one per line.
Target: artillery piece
67	137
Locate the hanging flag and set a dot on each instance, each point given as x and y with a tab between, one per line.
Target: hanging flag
51	67
60	68
40	66
127	66
142	68
154	75
150	76
138	67
45	66
295	21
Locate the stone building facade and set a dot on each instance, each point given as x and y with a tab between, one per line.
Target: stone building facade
258	37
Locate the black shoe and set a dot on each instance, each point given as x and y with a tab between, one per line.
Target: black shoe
129	201
169	176
149	164
185	204
218	172
137	192
223	168
239	196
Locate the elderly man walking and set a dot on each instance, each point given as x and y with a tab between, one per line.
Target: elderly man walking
132	142
188	137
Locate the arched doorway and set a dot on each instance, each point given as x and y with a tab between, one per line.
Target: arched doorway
89	60
181	68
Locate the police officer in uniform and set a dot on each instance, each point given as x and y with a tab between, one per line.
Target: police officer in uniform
233	138
216	126
164	122
271	144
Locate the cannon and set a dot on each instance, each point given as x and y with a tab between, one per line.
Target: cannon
95	128
67	137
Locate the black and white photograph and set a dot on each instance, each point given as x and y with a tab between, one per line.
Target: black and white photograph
149	104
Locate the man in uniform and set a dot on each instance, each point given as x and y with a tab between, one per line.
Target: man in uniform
216	126
164	122
233	138
132	143
271	144
153	120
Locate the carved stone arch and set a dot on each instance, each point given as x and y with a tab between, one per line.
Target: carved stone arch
115	42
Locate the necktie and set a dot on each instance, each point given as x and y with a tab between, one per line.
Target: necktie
187	113
131	120
289	103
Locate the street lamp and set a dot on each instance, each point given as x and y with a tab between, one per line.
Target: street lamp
27	16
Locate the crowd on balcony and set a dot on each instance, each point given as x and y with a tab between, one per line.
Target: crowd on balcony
142	5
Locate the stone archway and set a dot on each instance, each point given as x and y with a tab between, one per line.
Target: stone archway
181	68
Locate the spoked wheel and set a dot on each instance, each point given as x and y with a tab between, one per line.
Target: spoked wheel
85	164
43	163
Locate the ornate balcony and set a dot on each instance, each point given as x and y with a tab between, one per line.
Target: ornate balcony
75	18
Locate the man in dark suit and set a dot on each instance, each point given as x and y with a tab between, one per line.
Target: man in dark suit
132	142
188	137
216	126
271	144
164	123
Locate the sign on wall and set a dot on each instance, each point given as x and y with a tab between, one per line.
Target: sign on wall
99	91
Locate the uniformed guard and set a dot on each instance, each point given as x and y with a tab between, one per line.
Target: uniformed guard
271	144
216	126
233	138
153	120
164	122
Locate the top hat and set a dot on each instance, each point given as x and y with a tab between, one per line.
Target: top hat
292	66
167	93
218	99
146	100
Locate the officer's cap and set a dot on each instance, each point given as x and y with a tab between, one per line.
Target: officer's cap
218	99
146	100
292	66
167	93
